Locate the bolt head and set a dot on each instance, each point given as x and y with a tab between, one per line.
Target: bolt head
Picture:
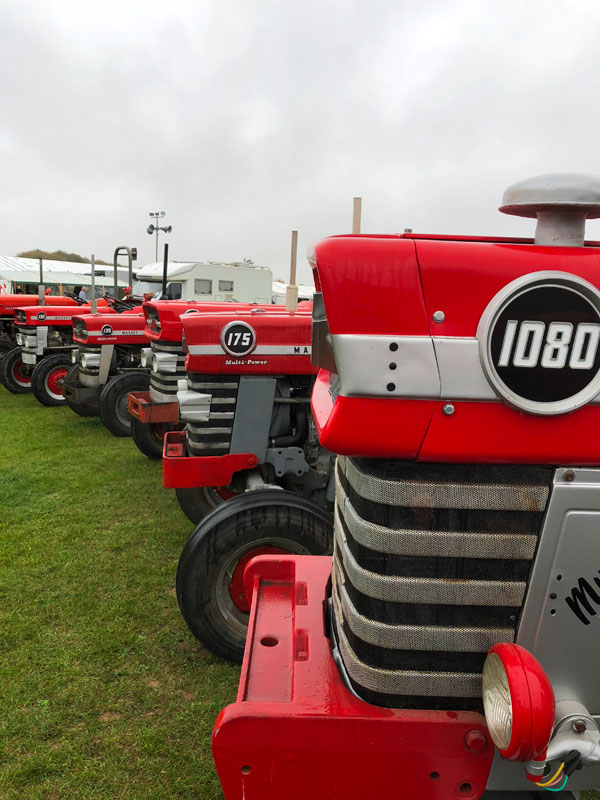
476	741
448	409
579	726
439	316
568	475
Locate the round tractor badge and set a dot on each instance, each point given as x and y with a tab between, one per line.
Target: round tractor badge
539	341
41	316
238	339
106	330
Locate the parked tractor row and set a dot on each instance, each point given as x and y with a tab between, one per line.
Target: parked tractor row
396	491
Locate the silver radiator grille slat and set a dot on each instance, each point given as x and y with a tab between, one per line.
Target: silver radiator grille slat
422	494
213	437
408	682
459	544
401	589
430	569
414	637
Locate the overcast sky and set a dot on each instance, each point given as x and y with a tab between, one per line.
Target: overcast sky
243	119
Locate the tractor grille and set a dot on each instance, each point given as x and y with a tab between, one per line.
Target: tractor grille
89	375
163	384
213	437
430	568
28	331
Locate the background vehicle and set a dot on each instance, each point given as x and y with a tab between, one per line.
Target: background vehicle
459	387
9	303
207	281
106	366
41	331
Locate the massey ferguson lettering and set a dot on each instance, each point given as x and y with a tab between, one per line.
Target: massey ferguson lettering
584	599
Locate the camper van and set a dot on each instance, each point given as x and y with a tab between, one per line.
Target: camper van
207	280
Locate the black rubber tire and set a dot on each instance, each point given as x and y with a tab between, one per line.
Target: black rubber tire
260	518
83	409
114	411
148	436
9	362
199	501
43	373
6	344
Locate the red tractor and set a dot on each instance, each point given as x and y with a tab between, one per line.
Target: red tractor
156	411
43	333
106	367
246	407
450	649
19	372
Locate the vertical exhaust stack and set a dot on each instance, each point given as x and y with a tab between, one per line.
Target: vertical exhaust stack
41	287
94	304
561	202
165	270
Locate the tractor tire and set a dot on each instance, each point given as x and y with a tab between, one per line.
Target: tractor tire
199	501
83	409
6	344
15	375
148	436
114	409
210	589
47	379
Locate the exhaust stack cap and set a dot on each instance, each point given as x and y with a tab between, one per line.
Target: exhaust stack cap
561	202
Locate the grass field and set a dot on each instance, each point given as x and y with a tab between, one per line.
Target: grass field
103	692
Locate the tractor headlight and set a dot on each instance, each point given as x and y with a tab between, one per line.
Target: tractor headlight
20	339
518	702
497	701
75	356
154	362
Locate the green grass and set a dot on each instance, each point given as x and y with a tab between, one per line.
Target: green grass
103	692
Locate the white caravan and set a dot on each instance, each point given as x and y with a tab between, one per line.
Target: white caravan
207	280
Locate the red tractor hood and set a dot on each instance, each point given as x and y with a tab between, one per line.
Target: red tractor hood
10	302
255	342
448	349
96	329
55	315
163	316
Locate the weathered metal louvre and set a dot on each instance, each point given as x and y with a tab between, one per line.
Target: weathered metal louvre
213	437
431	564
162	382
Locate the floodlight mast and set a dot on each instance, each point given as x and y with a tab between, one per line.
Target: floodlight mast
155	228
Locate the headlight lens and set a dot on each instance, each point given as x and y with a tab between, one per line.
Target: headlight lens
497	701
74	356
20	339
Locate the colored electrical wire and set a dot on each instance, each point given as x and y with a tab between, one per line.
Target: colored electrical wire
560	788
554	777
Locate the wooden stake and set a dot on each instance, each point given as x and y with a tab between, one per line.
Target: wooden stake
356	215
291	290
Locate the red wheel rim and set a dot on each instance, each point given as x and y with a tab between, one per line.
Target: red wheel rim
224	492
21	373
55	380
237	591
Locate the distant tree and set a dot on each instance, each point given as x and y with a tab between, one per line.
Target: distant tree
58	255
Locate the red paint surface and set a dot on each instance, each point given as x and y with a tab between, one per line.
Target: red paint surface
145	410
296	732
182	471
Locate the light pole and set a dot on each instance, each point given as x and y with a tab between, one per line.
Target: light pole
155	228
